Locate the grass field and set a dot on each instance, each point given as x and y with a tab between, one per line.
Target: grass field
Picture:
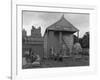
67	62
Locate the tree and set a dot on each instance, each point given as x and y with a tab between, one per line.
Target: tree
85	40
75	39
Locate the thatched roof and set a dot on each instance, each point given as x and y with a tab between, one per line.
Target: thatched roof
62	25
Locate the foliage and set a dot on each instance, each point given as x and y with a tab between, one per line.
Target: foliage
84	41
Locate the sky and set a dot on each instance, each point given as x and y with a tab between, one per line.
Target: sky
44	19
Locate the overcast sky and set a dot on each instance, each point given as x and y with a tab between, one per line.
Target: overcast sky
44	19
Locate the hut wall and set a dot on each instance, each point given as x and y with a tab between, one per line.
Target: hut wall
68	38
53	42
45	45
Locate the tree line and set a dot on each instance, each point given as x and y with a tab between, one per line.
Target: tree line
84	41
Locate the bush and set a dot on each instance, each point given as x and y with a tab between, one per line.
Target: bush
85	51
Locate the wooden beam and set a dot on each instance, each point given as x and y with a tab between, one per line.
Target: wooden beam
60	37
78	34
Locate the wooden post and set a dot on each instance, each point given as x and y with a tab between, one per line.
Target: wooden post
60	38
47	51
78	35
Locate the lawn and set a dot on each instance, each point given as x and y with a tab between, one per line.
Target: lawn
67	62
